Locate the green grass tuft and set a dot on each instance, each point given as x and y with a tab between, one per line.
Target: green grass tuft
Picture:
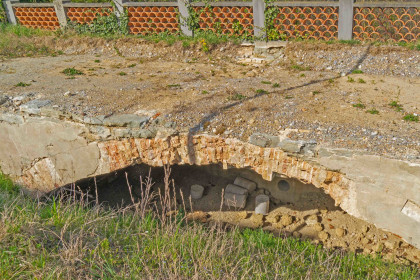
411	118
359	105
373	111
72	72
22	84
261	91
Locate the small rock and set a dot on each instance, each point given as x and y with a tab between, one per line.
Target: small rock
378	247
3	99
323	235
197	216
365	241
272	218
286	220
390	245
318	227
296	234
242	215
340	232
312	220
364	229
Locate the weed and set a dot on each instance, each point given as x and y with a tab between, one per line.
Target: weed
373	111
300	67
316	92
288	96
411	118
302	75
174	86
361	81
261	91
122	73
357	71
237	96
359	105
266	82
97	61
204	46
204	92
276	85
72	72
350	80
22	84
394	104
331	81
132	65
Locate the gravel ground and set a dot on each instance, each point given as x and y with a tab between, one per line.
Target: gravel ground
303	90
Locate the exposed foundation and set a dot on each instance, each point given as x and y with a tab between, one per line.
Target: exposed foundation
43	153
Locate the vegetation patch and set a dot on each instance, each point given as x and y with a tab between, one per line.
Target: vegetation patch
56	238
373	111
359	105
394	104
261	91
72	72
411	118
22	84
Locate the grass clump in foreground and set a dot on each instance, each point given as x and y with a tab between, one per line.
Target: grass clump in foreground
72	240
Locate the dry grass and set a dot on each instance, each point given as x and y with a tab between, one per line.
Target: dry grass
70	238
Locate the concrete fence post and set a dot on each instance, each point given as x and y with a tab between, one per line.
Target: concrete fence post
8	6
119	8
258	7
60	11
345	20
183	12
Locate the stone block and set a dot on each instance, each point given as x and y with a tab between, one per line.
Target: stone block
3	99
11	118
262	204
263	140
245	183
235	189
126	120
196	191
235	200
291	146
34	107
96	120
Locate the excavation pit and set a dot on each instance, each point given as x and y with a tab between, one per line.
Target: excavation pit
301	210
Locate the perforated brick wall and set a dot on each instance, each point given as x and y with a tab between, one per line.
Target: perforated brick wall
387	24
42	17
87	14
153	20
319	23
226	20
